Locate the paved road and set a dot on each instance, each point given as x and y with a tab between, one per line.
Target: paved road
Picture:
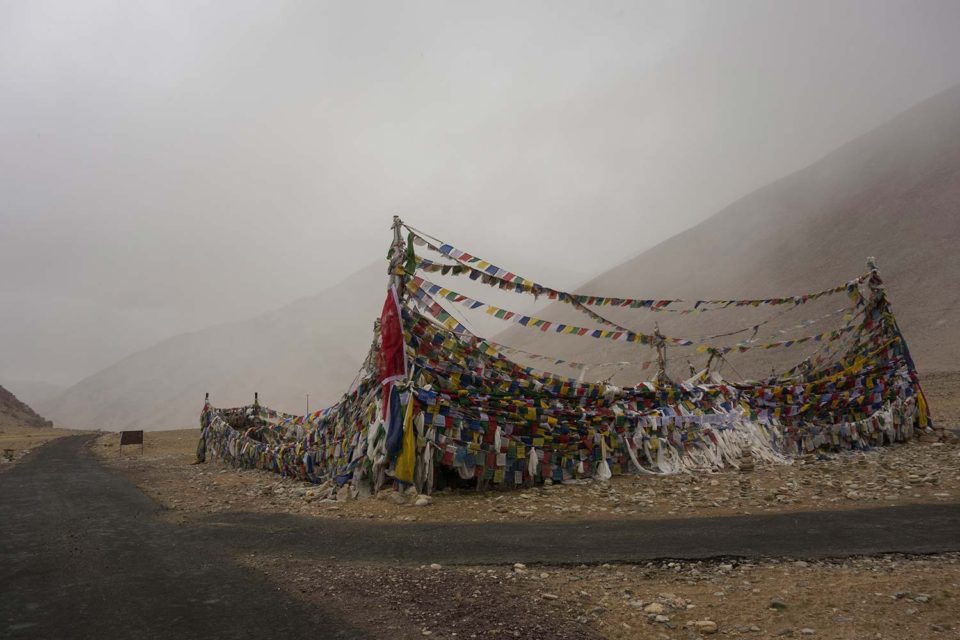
908	529
83	555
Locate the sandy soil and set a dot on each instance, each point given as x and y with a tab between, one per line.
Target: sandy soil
943	394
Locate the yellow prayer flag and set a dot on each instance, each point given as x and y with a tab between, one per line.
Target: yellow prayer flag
407	461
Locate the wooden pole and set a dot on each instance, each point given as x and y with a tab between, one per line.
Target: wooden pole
661	345
398	250
713	354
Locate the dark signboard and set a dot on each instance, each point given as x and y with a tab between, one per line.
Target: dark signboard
131	437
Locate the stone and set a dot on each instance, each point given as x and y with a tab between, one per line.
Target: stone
422	501
661	619
807	631
706	626
436	567
549	596
654	608
778	604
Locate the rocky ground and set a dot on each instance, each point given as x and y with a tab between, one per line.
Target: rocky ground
893	596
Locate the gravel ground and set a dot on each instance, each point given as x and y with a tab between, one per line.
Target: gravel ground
429	601
891	596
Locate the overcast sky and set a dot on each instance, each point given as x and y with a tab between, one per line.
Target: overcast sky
169	165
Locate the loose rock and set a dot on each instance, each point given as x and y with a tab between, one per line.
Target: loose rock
706	626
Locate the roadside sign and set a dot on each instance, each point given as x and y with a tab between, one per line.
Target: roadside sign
131	437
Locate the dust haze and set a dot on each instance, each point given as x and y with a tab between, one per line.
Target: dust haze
166	167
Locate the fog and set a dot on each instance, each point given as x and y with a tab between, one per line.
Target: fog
167	166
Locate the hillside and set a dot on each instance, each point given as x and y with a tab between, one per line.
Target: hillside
893	193
314	345
14	413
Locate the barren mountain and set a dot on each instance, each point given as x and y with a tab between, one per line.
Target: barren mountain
314	345
893	193
14	413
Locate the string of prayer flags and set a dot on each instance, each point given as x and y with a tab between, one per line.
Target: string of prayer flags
478	268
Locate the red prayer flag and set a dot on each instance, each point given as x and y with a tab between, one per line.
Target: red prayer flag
393	357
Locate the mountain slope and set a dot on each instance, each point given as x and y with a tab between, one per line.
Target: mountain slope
893	193
314	345
14	413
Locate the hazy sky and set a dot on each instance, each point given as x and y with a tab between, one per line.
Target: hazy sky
169	165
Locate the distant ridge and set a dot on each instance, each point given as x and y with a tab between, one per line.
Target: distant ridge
14	413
